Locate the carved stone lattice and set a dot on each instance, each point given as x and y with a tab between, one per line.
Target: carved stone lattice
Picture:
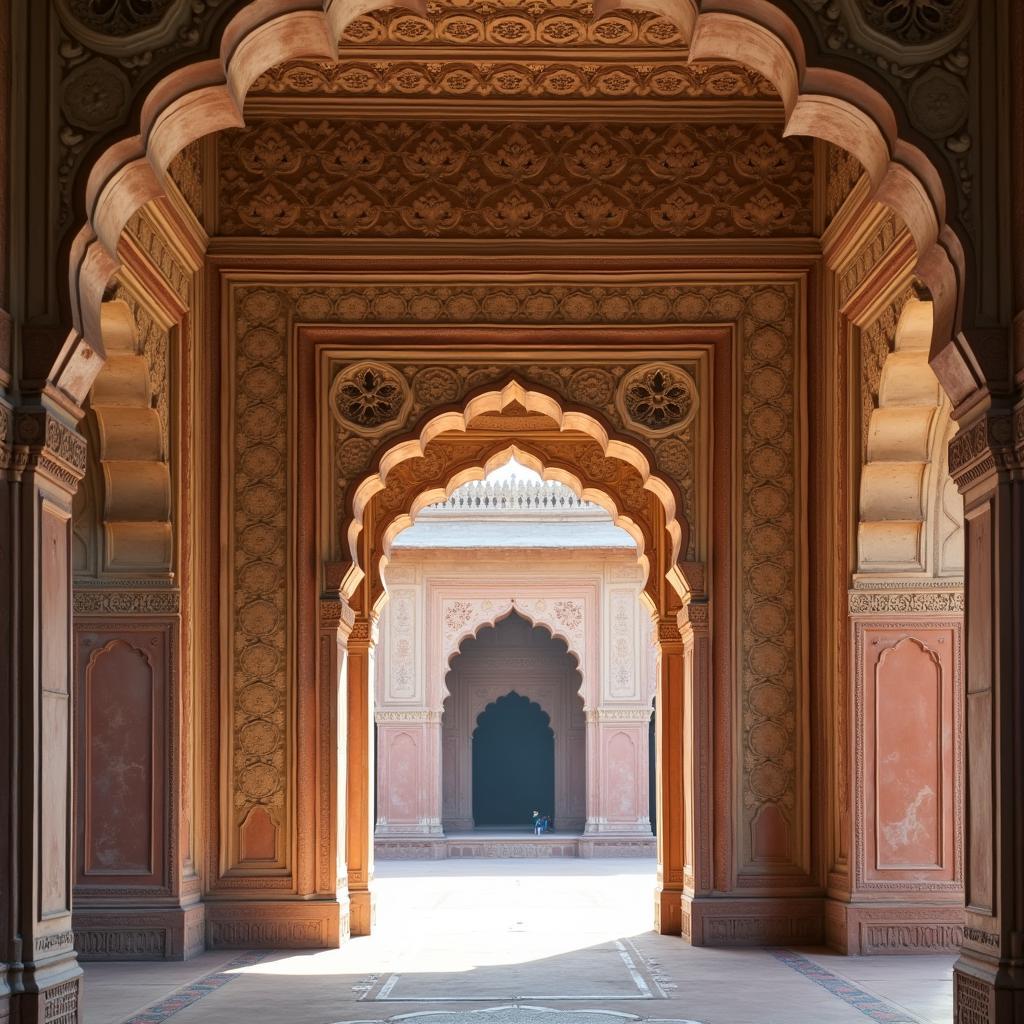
657	399
439	179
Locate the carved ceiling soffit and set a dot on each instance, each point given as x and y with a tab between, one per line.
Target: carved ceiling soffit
922	48
709	87
477	180
125	597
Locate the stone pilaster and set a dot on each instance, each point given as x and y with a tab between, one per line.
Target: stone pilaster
986	459
675	666
42	460
336	622
362	641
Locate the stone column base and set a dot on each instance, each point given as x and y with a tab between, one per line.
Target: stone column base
276	924
362	911
138	933
757	921
668	914
870	929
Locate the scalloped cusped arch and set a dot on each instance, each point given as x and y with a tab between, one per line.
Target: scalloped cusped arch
206	97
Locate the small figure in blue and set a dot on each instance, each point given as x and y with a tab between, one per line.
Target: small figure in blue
542	823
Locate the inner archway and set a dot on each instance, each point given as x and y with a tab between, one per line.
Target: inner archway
513	763
513	731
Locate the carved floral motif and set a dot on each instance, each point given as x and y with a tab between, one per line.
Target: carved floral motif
438	179
543	79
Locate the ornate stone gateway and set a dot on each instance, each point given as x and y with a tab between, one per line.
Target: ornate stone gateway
308	269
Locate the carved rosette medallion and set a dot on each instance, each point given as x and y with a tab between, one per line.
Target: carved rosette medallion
370	398
657	399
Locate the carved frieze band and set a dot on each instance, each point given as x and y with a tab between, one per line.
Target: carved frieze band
902	601
122	601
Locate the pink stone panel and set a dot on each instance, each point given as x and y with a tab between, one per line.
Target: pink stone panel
770	836
119	783
402	782
122	725
908	767
909	754
621	783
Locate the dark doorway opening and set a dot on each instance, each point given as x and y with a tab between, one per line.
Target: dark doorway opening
513	763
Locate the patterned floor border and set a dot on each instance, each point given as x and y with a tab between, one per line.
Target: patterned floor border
871	1006
167	1007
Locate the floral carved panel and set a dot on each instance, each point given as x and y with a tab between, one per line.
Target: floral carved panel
440	179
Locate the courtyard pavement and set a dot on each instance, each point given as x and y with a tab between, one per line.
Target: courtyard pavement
521	942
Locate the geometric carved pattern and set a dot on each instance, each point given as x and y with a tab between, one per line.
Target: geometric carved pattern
765	319
395	179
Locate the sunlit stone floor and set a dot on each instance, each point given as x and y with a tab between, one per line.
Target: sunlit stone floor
522	942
